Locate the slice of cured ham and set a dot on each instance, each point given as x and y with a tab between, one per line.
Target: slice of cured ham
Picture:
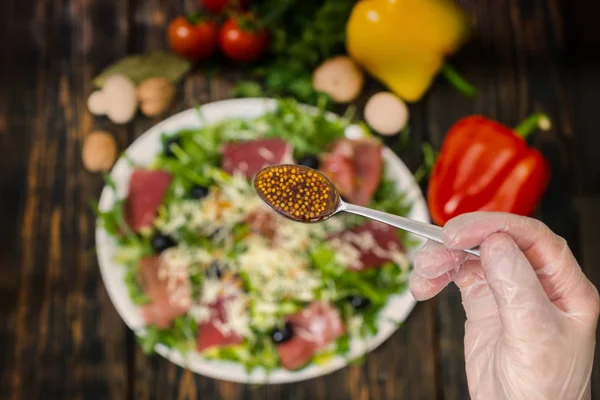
314	328
147	188
368	165
355	167
247	158
340	169
214	332
369	245
169	298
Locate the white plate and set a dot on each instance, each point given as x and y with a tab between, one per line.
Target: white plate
142	151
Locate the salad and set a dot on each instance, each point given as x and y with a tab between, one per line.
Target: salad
215	272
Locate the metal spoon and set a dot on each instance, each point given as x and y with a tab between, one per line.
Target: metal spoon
304	194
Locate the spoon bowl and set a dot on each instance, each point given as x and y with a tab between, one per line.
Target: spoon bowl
299	193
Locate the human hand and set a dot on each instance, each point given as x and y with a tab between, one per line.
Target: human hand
531	312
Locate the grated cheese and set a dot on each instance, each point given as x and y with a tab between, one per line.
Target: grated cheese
210	291
174	269
278	269
200	313
237	316
266	153
348	253
345	253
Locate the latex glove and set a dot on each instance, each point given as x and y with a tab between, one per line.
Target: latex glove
531	312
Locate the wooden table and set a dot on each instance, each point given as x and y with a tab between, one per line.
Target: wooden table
61	338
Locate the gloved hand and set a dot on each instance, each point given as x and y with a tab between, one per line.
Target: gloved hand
531	312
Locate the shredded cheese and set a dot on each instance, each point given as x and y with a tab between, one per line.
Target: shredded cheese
200	313
266	153
277	268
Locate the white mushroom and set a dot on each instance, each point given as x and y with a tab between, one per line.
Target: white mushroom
386	113
340	78
96	103
120	98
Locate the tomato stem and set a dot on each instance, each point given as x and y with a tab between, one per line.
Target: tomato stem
458	81
195	18
530	124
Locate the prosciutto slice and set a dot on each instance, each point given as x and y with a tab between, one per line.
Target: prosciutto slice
168	298
314	328
212	333
147	188
375	243
355	167
247	158
340	169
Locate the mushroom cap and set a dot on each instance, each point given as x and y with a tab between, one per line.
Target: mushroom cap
96	103
120	97
386	113
155	96
340	78
99	151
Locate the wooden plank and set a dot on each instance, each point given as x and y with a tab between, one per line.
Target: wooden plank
582	42
62	324
98	30
12	173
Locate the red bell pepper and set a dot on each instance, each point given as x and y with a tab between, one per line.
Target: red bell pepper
486	166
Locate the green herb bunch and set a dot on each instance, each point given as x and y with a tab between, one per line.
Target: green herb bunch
304	33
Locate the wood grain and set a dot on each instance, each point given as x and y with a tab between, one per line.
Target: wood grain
64	338
63	343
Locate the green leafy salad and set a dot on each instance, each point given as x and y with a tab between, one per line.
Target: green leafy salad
214	271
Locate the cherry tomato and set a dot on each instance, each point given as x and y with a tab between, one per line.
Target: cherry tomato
191	39
218	6
242	44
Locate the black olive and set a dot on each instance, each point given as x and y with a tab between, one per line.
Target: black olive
283	334
162	242
359	302
169	143
214	270
198	192
309	161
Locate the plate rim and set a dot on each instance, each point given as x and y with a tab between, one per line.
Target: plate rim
217	369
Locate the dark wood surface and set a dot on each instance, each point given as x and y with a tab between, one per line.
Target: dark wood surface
60	336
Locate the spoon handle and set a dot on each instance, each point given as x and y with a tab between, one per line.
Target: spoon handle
429	231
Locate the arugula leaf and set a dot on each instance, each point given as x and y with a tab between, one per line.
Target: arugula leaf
342	345
429	159
247	89
387	198
376	284
262	353
308	133
134	289
180	336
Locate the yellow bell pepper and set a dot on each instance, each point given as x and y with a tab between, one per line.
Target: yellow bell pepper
403	43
